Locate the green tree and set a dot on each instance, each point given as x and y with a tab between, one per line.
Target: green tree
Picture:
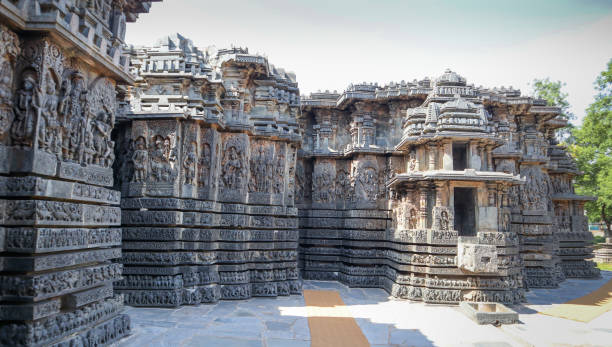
593	151
554	96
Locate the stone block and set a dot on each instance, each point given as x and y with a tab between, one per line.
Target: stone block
477	258
28	312
61	260
489	313
85	297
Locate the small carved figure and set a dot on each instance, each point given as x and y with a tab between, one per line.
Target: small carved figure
205	165
444	220
6	102
73	118
140	159
233	169
49	138
366	184
86	148
412	218
168	165
157	160
189	164
412	162
343	186
323	185
279	177
26	109
101	132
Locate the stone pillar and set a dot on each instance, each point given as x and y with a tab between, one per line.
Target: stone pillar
483	160
489	158
423	189
475	161
432	156
491	195
447	159
441	194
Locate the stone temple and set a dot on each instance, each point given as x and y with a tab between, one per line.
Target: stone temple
439	191
206	155
172	175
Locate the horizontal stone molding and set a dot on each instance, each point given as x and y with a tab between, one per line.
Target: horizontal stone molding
206	235
200	219
37	287
37	162
39	187
31	311
43	240
209	293
206	258
207	246
174	270
58	326
57	260
58	213
85	297
128	203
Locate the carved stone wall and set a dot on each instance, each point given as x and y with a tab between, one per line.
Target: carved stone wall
60	63
206	162
375	191
570	221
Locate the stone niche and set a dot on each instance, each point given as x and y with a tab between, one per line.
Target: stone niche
60	224
206	158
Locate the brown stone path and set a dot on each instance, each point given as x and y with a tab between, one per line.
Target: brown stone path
331	323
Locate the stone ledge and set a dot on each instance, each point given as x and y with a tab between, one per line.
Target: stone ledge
43	240
56	261
39	187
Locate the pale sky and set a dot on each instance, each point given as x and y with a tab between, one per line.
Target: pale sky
332	43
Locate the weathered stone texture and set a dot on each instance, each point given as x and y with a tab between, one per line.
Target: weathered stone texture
437	191
206	162
60	63
489	313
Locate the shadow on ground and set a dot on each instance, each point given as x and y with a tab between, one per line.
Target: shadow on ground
384	321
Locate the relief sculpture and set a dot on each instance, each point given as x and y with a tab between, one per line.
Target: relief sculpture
9	50
366	183
233	166
163	160
322	187
27	104
60	63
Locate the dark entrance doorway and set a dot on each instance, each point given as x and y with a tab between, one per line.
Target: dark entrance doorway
465	211
460	156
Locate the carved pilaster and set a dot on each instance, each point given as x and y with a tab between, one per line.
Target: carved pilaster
423	212
432	155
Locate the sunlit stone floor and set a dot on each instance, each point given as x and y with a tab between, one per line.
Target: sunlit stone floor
383	320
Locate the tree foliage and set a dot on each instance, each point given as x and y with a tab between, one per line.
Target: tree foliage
592	149
551	91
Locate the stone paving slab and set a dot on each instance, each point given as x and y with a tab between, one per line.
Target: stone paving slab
384	321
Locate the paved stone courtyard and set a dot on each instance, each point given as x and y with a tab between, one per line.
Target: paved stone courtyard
384	321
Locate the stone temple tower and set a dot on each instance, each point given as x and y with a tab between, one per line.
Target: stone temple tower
450	194
439	191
